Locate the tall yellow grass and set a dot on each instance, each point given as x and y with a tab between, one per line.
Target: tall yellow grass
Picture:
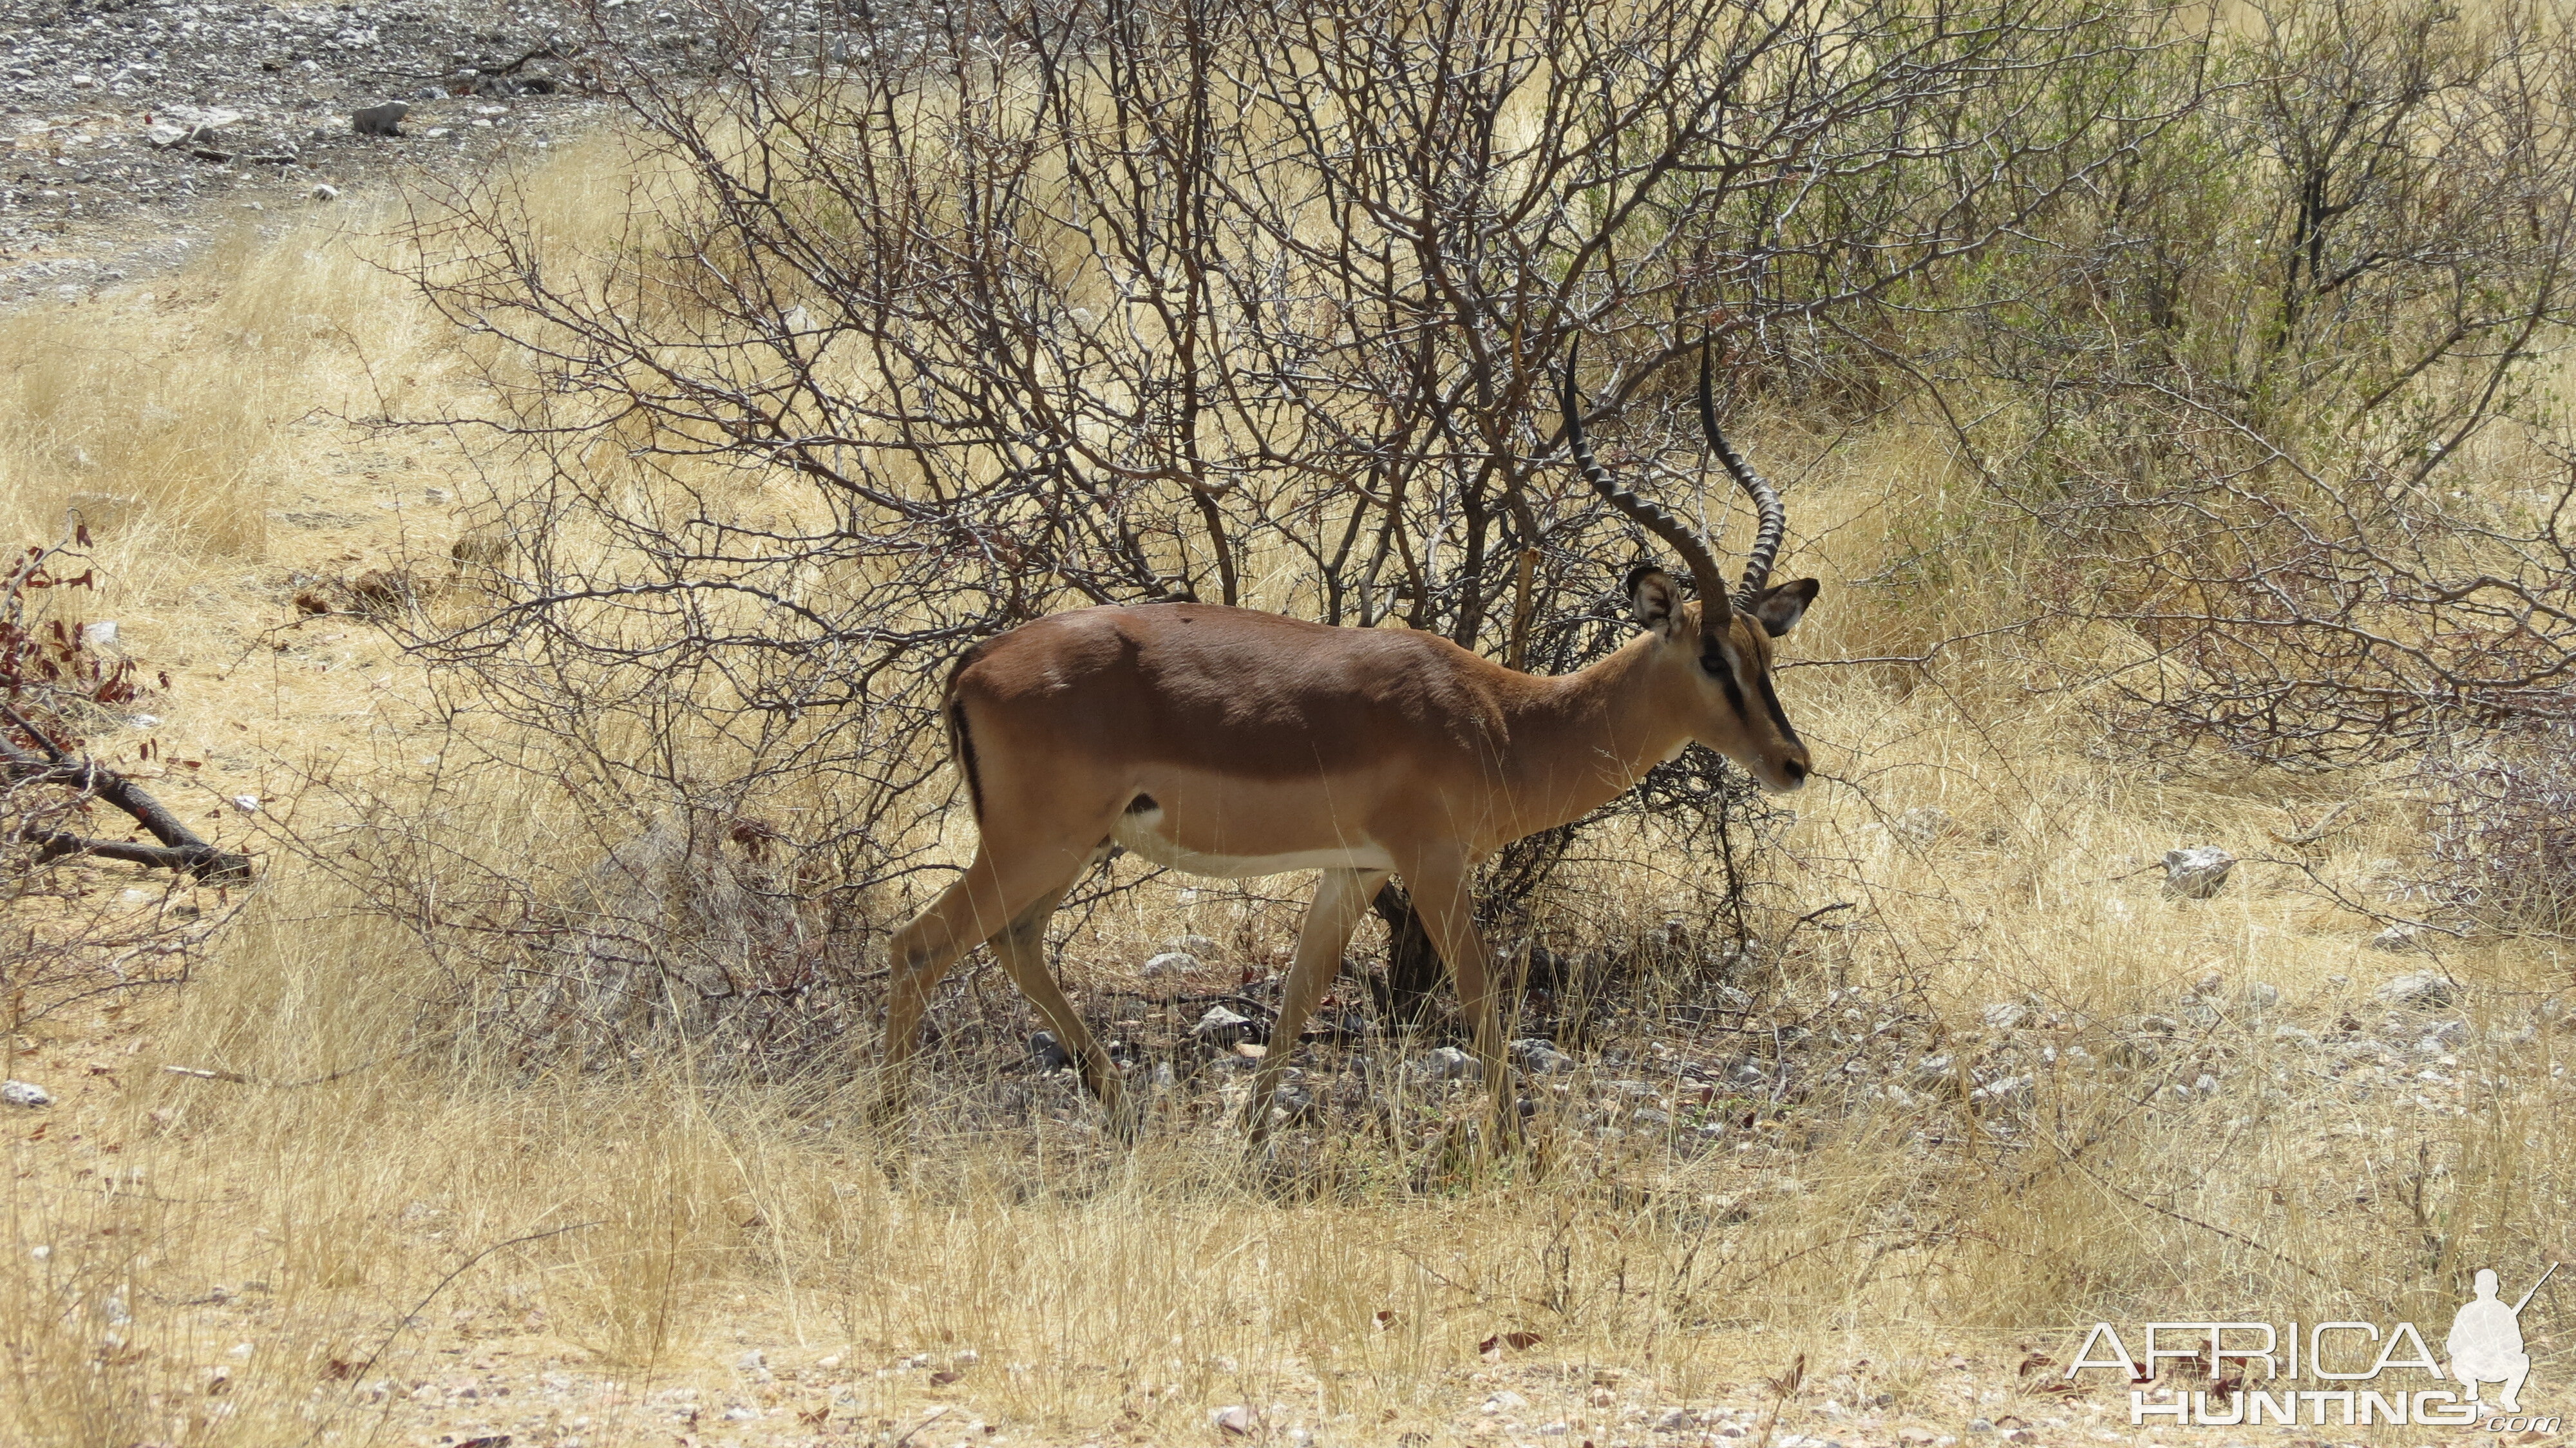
185	1259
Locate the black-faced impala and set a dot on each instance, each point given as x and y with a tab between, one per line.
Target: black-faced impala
1231	743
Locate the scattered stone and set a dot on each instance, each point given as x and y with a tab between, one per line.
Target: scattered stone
2293	1036
100	635
1049	1052
2009	1091
2262	996
1234	1418
1171	965
1920	826
2197	872
1447	1064
1539	1058
2398	939
324	191
1648	1116
25	1093
1931	1073
1675	1420
1222	1026
1204	947
379	120
2423	990
2004	1015
384	590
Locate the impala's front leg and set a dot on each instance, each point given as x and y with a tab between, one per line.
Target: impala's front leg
1341	898
1441	895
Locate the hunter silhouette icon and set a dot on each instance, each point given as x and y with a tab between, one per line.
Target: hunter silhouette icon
2486	1341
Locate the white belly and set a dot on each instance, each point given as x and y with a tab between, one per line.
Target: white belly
1137	833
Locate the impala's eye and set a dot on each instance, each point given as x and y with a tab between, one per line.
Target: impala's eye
1714	661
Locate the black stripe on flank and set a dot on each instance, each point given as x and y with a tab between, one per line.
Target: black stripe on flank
964	745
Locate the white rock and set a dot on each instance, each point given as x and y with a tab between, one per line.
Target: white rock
1235	1418
1539	1058
1219	1020
1447	1064
2004	1091
324	191
1920	826
2004	1015
2262	996
2423	990
1674	1420
25	1093
1170	963
99	635
246	803
2396	939
2196	872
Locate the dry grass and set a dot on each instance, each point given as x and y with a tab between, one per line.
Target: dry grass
200	1261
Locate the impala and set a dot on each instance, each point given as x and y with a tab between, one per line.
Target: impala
1231	743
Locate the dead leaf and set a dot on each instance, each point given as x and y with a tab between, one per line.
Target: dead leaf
488	1440
942	1378
813	1417
339	1370
1386	1319
2033	1363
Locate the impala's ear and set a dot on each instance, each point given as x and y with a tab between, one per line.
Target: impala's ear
1655	599
1780	608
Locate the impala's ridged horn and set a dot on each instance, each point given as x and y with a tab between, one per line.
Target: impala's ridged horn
1714	610
1766	499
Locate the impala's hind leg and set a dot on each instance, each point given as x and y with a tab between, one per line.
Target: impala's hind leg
973	910
1022	947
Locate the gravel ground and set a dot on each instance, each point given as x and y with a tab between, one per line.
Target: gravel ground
137	130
